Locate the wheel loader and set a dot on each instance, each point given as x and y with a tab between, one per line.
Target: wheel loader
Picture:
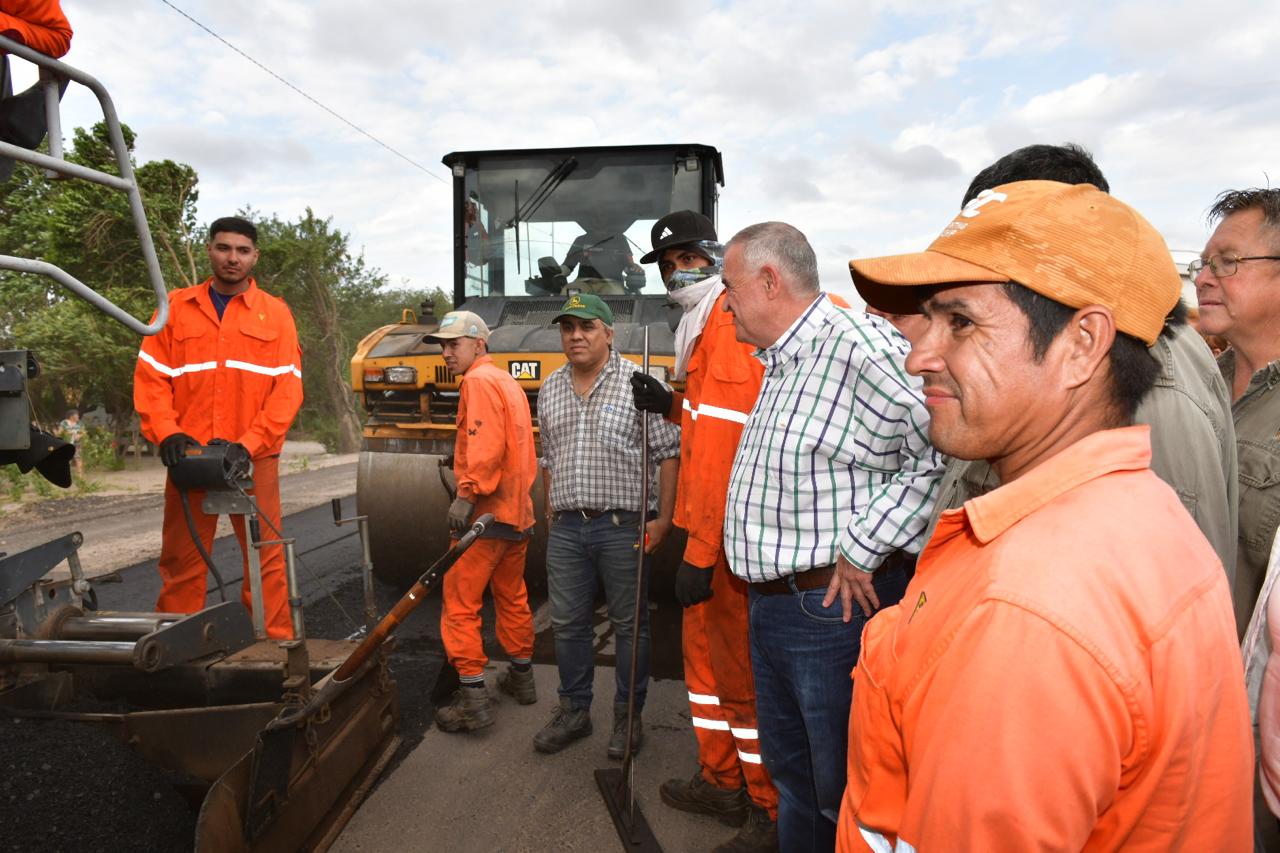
530	228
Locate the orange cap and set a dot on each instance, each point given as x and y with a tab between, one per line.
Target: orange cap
1074	244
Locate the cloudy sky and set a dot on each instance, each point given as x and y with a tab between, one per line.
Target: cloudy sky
859	121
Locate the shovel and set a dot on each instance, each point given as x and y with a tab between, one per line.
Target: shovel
617	786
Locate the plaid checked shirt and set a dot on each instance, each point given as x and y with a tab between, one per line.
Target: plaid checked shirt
835	457
591	445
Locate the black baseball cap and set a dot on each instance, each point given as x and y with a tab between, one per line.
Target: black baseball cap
677	229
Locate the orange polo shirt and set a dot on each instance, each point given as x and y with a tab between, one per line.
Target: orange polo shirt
1062	674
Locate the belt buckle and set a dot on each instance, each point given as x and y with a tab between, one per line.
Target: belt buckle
582	512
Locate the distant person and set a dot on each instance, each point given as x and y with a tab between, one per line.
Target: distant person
495	465
72	431
1236	279
1062	673
722	380
226	368
592	472
1192	439
830	490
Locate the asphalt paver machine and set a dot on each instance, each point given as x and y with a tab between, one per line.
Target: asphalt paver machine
530	227
274	763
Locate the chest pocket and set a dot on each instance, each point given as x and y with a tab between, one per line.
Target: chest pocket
194	342
618	427
259	343
729	372
1259	493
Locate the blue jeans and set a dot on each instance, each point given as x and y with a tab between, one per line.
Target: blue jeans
580	552
802	656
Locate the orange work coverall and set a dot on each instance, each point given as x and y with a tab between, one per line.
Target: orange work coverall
495	465
238	379
721	387
39	24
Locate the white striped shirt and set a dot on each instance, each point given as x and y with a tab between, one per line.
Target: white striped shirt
835	457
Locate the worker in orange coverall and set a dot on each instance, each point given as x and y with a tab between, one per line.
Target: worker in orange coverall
495	465
39	24
722	381
225	369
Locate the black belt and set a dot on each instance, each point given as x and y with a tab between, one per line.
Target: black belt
595	513
818	578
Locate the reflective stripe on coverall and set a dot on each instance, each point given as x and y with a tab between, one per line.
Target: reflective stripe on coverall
495	465
721	388
239	379
39	24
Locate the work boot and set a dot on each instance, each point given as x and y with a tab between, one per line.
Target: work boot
519	684
729	806
567	725
468	710
758	835
618	740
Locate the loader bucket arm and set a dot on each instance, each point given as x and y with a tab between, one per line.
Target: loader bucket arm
51	72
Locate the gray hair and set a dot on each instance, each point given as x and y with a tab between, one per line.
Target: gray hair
783	246
1238	201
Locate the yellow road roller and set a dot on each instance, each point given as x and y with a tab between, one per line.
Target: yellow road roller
530	227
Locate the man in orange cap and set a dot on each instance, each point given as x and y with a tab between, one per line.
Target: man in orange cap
1068	637
495	465
226	368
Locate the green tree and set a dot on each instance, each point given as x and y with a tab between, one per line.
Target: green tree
87	230
336	299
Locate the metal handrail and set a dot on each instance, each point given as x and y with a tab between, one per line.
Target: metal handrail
51	72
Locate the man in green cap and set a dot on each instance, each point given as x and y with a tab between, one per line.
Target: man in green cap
591	468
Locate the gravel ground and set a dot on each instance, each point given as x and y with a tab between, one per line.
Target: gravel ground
70	786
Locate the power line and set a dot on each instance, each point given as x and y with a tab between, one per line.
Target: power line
330	111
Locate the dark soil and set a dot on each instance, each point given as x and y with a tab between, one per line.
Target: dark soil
74	787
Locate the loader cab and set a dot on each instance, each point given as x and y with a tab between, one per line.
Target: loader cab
546	223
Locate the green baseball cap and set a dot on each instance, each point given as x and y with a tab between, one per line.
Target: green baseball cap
586	306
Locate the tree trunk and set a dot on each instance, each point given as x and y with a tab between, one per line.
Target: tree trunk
334	364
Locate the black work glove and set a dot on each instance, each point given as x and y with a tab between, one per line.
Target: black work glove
238	460
693	584
175	447
460	513
650	394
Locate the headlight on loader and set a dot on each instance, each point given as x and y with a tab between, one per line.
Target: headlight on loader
401	375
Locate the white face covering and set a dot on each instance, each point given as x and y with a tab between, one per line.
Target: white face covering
689	296
697	301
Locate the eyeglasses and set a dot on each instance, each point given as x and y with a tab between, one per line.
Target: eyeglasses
1222	267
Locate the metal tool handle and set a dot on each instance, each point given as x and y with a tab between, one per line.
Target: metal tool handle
336	681
366	568
628	765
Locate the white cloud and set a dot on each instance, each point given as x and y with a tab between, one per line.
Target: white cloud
860	122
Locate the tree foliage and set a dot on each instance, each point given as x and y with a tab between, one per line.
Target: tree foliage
86	229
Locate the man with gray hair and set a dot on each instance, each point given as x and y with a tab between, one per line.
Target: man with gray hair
1236	279
830	492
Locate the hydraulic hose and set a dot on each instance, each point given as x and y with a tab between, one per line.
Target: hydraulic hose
195	537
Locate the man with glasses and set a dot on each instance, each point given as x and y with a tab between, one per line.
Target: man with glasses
1237	280
722	380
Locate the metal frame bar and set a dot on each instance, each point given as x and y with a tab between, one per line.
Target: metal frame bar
51	71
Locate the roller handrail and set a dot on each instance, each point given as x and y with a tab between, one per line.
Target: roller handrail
51	71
